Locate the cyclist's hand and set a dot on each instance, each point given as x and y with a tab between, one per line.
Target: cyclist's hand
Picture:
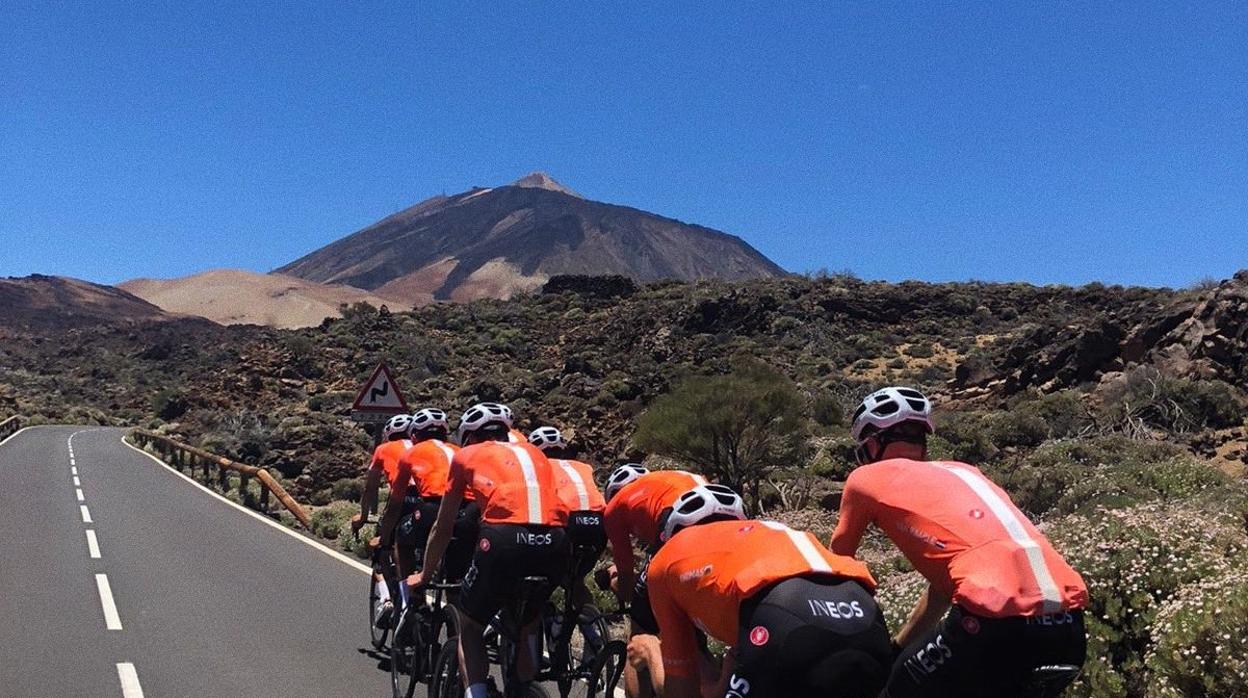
374	542
357	522
416	580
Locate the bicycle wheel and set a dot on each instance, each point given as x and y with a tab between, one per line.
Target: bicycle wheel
444	681
440	628
608	667
403	668
377	636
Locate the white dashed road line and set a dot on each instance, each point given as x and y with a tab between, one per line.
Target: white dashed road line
86	514
93	545
80	495
112	621
129	678
73	470
77	482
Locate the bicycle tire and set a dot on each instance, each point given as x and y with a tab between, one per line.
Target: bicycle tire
444	680
376	636
403	669
607	669
440	629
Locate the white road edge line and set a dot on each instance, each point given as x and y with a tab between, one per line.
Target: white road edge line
86	514
111	620
81	497
129	678
14	434
93	545
77	482
293	534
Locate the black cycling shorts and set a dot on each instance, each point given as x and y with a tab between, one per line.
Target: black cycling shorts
588	538
811	636
968	655
413	534
506	554
640	611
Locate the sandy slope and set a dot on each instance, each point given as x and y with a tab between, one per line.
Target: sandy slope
234	297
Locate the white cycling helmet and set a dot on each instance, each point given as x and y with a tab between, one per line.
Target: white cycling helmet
890	407
429	418
398	424
484	414
700	504
547	437
622	476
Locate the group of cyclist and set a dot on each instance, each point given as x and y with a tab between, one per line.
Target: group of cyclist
1002	614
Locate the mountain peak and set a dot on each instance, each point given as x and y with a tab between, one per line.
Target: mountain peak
541	180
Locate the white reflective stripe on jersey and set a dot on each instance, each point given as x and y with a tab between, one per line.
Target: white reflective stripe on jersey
582	494
1052	596
530	482
699	479
804	545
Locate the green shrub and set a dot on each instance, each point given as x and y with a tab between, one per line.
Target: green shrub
1146	398
1201	648
1136	561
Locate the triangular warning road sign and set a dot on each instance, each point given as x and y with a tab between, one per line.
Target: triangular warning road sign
380	393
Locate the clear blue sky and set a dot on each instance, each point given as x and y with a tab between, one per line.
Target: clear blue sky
1049	142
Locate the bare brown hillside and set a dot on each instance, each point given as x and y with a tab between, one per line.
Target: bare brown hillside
238	297
53	302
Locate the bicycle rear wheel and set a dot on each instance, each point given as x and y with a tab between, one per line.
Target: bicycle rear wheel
444	681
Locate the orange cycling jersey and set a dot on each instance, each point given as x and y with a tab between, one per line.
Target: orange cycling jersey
701	576
513	483
634	511
577	488
386	458
429	463
963	534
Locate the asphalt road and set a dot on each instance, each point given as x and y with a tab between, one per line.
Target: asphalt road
208	600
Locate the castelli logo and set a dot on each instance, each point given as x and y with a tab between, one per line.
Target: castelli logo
977	513
759	636
970	625
485	545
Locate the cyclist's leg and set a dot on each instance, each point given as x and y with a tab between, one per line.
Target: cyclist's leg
965	655
549	558
642	679
1056	639
480	598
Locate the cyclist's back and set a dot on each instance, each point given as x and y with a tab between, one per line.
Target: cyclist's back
962	532
801	619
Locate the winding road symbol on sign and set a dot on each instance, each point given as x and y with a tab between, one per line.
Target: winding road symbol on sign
380	395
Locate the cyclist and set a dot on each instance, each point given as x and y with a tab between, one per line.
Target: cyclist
426	465
800	620
635	499
586	533
522	533
1000	601
384	465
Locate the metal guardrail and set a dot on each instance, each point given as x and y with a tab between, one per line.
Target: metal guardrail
10	427
186	457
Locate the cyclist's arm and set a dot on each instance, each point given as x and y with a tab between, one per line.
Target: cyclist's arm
852	523
444	526
681	665
931	608
371	484
621	555
394	504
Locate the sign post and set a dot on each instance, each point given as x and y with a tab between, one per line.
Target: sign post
379	400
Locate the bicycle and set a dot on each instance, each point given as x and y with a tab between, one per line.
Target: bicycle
600	666
1050	680
418	637
381	561
501	639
